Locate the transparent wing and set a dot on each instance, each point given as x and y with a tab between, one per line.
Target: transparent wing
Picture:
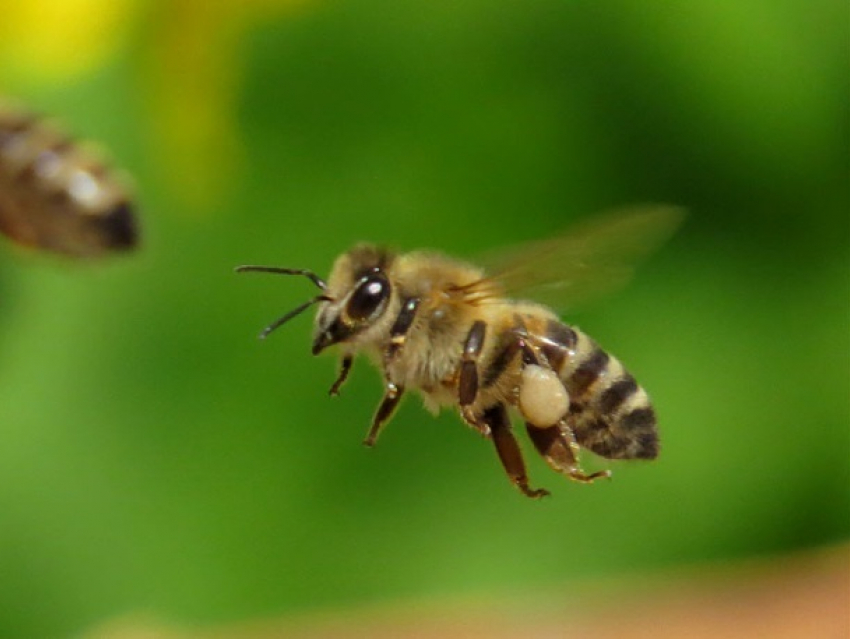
589	261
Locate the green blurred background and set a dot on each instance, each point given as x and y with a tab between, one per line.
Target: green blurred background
155	456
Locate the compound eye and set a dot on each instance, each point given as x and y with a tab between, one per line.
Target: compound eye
370	294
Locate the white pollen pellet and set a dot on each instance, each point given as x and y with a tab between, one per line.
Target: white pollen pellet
543	400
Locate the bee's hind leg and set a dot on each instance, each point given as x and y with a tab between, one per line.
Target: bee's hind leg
496	418
543	399
558	447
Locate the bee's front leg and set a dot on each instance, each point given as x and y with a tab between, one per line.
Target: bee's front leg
344	369
398	332
392	390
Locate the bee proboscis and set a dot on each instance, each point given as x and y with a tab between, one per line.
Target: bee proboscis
459	336
56	195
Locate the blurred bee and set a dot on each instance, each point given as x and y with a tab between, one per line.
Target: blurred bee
55	195
455	333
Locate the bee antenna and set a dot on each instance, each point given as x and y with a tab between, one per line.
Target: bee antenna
318	281
296	311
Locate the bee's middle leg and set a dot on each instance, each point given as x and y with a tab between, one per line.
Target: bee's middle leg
508	450
468	377
392	396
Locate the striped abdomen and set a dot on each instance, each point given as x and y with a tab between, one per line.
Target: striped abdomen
56	196
610	413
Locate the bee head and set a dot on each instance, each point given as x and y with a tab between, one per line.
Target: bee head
354	300
360	292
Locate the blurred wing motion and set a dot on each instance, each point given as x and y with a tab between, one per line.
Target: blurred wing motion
590	261
56	195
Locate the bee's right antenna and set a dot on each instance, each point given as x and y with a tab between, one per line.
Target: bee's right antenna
318	281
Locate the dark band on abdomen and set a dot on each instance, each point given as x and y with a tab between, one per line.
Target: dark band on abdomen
588	372
557	343
615	395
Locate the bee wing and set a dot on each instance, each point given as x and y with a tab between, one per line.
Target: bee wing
589	261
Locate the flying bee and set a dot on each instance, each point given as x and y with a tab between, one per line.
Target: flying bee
55	194
459	335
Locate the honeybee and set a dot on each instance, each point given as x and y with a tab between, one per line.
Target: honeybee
455	333
55	194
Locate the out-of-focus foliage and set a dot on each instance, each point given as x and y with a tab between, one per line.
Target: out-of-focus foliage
157	457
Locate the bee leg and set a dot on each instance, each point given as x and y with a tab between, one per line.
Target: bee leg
393	392
468	377
344	369
508	450
556	444
398	332
558	447
388	404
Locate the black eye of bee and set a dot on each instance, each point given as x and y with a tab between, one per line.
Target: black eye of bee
369	296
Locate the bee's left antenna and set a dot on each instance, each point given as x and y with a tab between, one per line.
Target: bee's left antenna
296	311
318	281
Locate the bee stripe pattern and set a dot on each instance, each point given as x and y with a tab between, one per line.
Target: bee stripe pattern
609	413
616	394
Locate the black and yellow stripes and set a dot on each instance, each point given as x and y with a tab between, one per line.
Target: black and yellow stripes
610	413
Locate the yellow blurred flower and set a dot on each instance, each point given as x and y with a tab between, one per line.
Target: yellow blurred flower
196	69
191	63
45	41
